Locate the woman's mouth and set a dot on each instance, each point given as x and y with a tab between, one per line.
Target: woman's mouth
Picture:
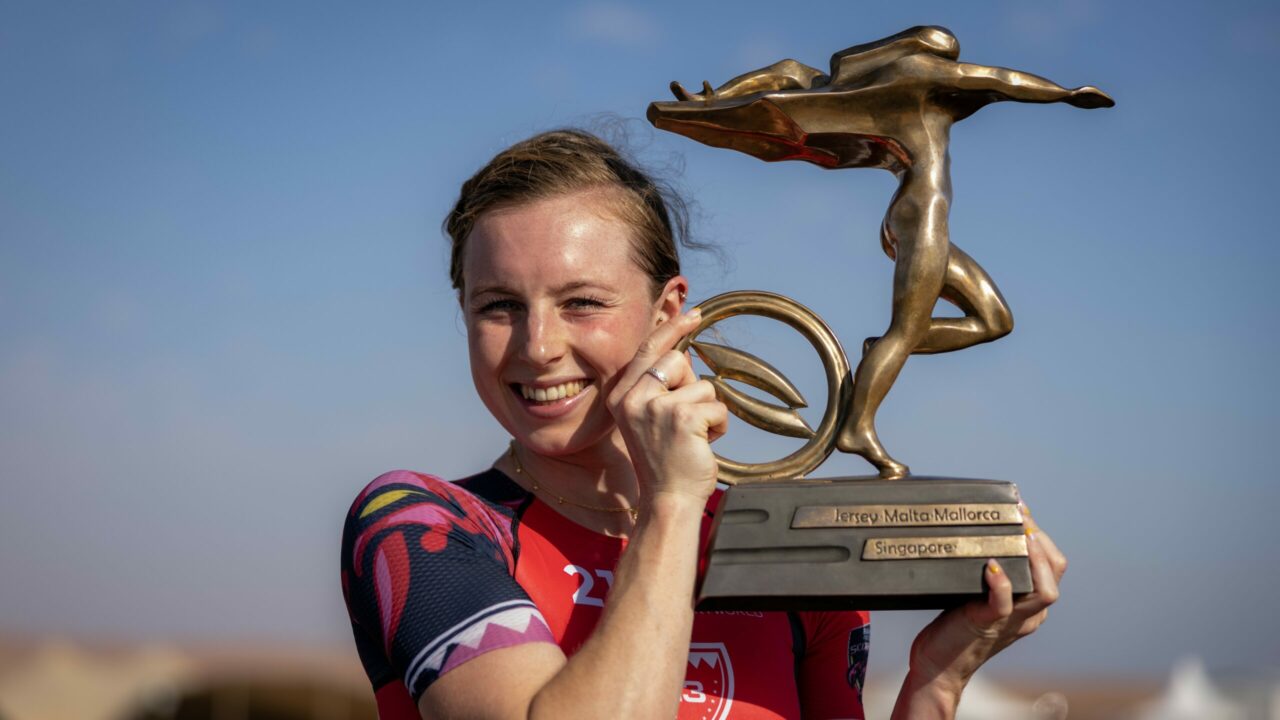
554	393
552	401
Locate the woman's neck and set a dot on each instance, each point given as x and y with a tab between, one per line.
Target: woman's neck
601	476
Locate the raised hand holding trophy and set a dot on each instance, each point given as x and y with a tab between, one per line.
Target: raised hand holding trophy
893	540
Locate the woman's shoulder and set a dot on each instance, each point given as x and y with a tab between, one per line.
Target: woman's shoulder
427	568
396	484
433	511
483	492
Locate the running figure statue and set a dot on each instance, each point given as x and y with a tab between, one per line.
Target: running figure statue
886	104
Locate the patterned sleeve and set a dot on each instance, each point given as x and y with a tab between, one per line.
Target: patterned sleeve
834	664
427	574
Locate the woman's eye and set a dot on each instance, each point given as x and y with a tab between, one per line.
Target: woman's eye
496	306
585	303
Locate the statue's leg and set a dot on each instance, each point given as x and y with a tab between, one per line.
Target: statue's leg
1023	86
916	231
970	288
853	62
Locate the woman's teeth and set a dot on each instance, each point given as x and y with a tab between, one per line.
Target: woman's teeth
550	394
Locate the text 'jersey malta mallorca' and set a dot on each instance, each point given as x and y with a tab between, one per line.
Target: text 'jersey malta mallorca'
436	573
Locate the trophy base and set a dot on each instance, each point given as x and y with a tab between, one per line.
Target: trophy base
862	543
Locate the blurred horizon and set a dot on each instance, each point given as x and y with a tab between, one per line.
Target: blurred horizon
224	303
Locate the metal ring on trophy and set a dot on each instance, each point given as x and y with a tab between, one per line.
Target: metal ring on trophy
732	364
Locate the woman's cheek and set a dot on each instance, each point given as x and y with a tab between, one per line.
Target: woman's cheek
609	343
486	350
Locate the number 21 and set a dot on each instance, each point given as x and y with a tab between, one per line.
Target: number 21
582	596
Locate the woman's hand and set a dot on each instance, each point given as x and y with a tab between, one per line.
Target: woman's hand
650	601
950	649
668	429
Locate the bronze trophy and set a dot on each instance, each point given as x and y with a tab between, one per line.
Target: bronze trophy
894	540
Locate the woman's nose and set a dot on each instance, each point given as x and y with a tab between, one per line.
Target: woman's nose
544	340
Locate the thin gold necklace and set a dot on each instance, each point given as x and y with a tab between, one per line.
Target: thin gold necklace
634	512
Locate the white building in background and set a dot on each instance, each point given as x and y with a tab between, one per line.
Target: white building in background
982	700
1188	694
1191	695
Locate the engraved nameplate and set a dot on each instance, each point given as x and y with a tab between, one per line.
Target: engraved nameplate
825	516
918	548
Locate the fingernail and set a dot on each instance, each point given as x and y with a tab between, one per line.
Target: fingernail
696	313
993	566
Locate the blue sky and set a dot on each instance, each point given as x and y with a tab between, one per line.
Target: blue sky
224	304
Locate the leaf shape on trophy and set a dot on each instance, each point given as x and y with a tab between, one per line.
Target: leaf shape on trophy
734	364
766	416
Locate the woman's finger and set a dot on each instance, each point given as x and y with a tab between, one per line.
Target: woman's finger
697	391
687	409
719	417
1032	623
663	338
999	600
717	431
1000	594
1044	581
675	369
714	418
703	392
1028	520
1056	558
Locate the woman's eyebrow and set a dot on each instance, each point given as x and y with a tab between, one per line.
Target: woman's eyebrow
496	289
499	289
580	285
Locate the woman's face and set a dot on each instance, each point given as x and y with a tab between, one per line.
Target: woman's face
555	309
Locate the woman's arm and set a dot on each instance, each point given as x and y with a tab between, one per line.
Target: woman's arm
947	653
633	665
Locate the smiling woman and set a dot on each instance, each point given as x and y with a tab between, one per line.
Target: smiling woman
554	302
559	582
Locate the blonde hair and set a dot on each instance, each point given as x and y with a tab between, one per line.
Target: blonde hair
566	161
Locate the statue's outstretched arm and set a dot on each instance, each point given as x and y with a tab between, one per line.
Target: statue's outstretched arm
1023	86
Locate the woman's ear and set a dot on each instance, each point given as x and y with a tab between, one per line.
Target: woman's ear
670	302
